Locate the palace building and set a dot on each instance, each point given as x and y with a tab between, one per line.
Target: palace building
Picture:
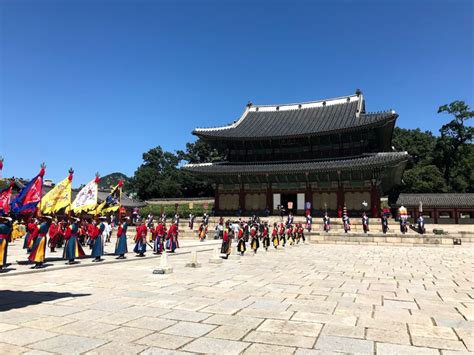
320	155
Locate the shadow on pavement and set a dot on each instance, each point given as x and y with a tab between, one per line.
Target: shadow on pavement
19	299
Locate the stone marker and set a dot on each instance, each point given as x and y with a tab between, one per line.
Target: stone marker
235	255
193	262
164	268
216	259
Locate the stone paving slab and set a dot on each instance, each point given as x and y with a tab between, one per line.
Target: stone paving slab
310	299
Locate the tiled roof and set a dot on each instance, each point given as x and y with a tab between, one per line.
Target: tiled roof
366	161
316	118
461	200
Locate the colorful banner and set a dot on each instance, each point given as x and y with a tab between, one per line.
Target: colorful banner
86	199
113	200
58	198
29	196
5	196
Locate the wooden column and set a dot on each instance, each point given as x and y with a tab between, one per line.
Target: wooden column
242	198
374	199
456	216
270	197
435	215
340	193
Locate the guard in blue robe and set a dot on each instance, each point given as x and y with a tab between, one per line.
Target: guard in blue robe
98	246
5	238
121	247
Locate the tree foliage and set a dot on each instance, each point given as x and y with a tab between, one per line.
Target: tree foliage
439	164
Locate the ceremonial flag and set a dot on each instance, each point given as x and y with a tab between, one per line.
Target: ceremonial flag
112	202
86	199
59	197
29	196
5	196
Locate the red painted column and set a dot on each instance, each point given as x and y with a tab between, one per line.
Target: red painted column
340	197
374	200
456	216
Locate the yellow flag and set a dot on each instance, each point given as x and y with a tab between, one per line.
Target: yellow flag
112	202
58	198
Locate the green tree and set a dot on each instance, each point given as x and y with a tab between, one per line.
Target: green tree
158	176
200	152
455	135
420	145
425	178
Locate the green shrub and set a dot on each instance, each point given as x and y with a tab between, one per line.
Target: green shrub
183	210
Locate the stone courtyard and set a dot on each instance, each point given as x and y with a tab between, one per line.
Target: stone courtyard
307	299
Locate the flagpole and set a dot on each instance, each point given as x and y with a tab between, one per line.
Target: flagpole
120	183
42	171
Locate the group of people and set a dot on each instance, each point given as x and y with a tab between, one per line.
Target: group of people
256	233
73	234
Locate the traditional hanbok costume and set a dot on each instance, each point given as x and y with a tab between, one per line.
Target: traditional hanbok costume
121	245
38	250
72	248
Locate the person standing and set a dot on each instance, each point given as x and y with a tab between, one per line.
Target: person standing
421	224
309	222
98	241
140	240
254	242
53	236
172	237
241	247
191	221
275	240
226	242
346	223
300	232
265	236
281	234
31	234
121	245
159	235
384	221
365	222
326	222
38	251
5	238
73	248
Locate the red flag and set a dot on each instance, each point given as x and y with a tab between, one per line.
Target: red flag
5	196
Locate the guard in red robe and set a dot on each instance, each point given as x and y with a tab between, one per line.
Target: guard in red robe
140	240
172	237
53	236
281	233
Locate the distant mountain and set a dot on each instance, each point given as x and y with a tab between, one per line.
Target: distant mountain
108	181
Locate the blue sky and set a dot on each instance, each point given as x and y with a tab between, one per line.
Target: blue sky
94	84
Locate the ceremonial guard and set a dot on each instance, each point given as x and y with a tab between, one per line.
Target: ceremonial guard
53	236
265	236
309	222
254	244
38	251
403	225
172	237
300	232
241	247
365	222
281	234
31	234
346	223
72	248
159	235
275	240
121	246
202	232
384	221
226	241
326	222
140	240
5	235
421	224
191	221
98	241
290	235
